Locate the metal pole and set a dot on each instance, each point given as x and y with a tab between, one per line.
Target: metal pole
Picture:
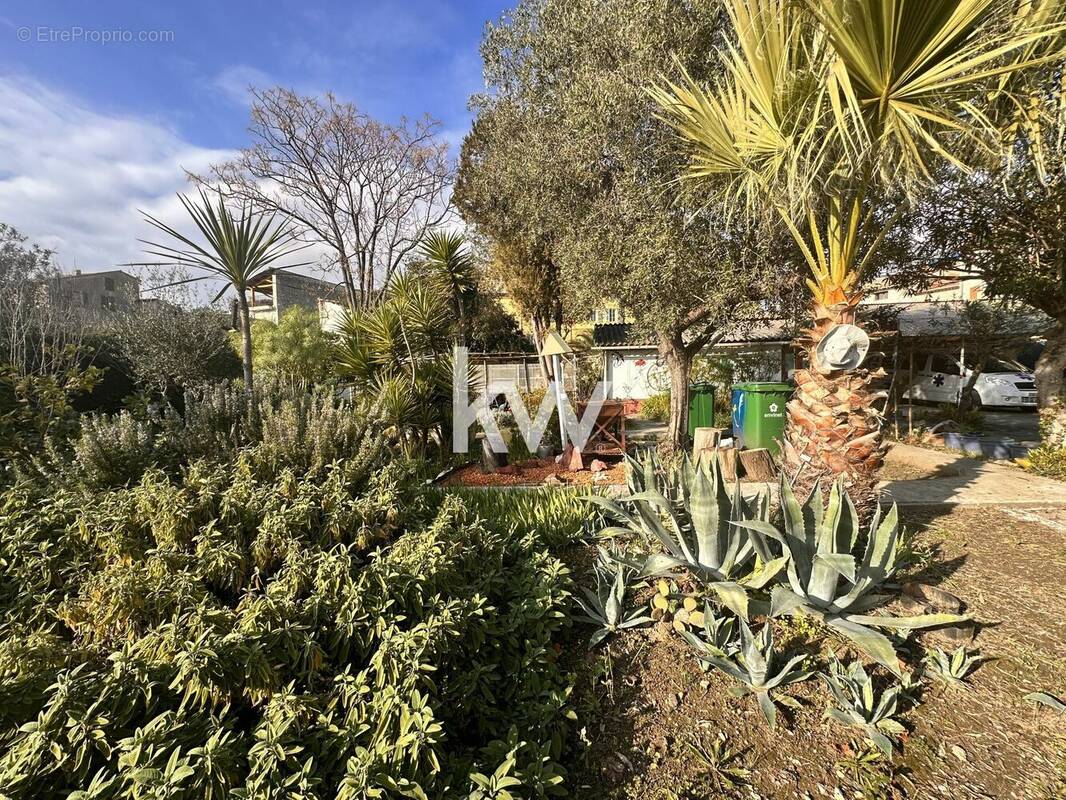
558	370
910	395
962	372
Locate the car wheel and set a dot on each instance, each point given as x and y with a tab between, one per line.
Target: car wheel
975	400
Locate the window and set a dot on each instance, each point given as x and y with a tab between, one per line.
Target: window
945	365
610	315
109	284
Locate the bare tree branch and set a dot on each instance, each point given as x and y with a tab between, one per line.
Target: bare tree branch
368	190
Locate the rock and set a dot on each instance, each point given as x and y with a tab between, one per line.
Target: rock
912	606
553	480
963	633
934	596
597	466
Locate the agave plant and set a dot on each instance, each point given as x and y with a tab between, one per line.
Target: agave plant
951	668
828	581
605	606
689	512
1046	699
719	639
754	666
858	705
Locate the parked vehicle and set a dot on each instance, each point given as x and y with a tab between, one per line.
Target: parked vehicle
1003	383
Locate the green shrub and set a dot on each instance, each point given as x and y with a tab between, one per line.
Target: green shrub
296	349
556	516
245	630
968	421
1047	461
656	407
295	429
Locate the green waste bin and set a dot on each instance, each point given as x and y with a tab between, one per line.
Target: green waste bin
759	415
700	407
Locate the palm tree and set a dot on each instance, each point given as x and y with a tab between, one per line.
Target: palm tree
451	263
241	249
398	354
834	113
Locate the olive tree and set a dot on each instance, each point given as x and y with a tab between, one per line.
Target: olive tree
568	158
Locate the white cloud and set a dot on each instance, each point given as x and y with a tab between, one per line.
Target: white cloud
75	179
234	83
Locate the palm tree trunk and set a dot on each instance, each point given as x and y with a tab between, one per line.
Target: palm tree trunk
246	340
833	427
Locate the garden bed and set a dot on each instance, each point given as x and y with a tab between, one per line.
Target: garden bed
535	472
651	716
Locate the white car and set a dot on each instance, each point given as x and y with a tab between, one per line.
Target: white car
1002	383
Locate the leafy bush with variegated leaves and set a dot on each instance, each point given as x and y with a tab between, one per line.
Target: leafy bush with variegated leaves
269	626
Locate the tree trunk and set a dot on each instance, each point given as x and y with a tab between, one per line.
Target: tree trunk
1050	375
350	293
540	330
966	393
833	427
246	340
1050	369
679	363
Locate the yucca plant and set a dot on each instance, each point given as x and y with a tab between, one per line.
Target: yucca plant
605	606
241	248
857	703
399	353
953	668
451	263
755	667
829	580
835	112
689	512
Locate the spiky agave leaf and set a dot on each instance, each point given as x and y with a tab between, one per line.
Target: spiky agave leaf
689	513
826	580
605	605
754	666
952	668
1047	699
719	640
858	705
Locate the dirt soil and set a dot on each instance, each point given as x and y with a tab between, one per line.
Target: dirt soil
646	710
536	471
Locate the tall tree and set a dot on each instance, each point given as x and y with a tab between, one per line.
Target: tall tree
368	190
568	158
240	248
1008	227
40	330
835	112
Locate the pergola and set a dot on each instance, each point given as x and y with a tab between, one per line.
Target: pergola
952	328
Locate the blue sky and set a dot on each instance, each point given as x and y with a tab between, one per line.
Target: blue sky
92	130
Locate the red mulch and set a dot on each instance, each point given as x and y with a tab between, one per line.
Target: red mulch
534	472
